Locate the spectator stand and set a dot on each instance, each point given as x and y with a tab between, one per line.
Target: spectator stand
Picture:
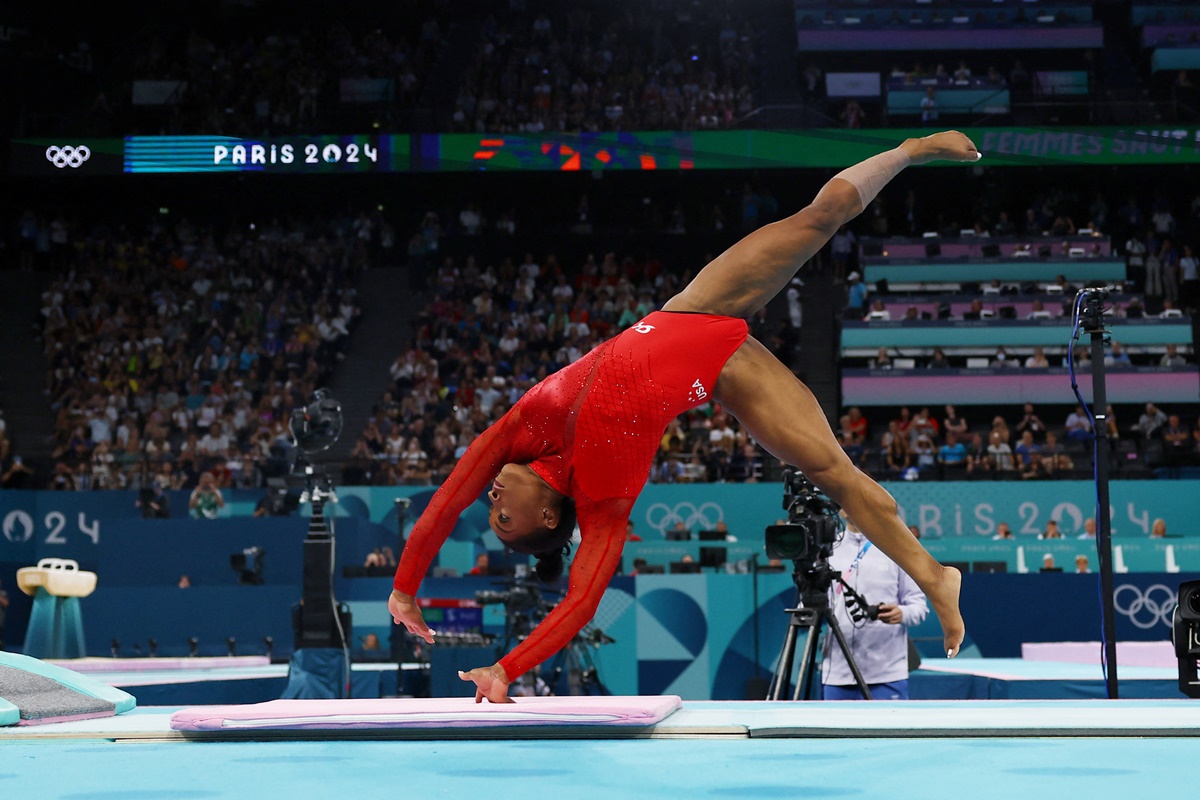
178	348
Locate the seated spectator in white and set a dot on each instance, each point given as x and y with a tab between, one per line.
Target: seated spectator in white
1038	360
1079	425
1002	361
923	423
1169	310
1081	565
1172	358
878	312
882	360
1151	420
1003	531
1039	311
1089	529
214	443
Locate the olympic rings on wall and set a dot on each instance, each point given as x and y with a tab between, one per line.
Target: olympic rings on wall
1155	606
68	156
661	516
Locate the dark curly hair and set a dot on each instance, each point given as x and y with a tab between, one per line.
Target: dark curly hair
550	546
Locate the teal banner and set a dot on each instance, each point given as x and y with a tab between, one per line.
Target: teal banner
1011	333
1013	269
953	516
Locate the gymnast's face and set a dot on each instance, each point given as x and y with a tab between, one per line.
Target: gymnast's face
522	503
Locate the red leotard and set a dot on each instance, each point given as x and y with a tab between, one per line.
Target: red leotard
591	430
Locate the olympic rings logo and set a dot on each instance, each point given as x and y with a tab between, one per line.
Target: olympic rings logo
705	517
1155	606
68	156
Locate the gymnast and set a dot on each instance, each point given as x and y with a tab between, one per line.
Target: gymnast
579	445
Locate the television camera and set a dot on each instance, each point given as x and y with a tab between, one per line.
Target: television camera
814	525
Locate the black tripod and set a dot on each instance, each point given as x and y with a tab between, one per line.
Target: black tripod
525	606
575	660
812	595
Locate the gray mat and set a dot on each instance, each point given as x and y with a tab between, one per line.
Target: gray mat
40	698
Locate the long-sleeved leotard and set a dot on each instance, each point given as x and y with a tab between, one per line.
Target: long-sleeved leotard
591	430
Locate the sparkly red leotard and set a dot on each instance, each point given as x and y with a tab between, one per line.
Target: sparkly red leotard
591	431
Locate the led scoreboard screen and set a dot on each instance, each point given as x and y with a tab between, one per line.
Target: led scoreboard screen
298	154
582	152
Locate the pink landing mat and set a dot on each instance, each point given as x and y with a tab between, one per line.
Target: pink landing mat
1132	654
159	664
427	712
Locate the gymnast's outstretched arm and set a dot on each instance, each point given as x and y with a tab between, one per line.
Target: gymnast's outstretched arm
474	472
602	528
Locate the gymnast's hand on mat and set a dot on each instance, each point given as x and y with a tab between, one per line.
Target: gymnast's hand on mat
406	612
945	146
490	682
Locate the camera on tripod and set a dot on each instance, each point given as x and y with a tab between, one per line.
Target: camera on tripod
813	525
518	599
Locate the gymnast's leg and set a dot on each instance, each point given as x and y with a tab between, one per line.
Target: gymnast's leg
783	416
745	277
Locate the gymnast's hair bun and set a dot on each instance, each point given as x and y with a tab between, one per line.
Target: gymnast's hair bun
549	565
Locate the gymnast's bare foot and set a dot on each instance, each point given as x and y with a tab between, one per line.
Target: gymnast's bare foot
945	604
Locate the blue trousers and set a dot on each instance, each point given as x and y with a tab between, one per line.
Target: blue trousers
895	690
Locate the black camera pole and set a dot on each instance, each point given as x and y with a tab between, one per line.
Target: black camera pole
1092	323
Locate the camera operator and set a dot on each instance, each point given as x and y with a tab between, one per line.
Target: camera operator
879	645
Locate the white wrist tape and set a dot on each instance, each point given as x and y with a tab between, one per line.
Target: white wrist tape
870	176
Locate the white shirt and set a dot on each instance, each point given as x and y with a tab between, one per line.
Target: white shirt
880	649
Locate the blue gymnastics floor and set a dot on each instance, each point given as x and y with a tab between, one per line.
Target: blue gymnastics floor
895	769
922	749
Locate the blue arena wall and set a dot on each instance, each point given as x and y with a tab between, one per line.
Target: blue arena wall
687	634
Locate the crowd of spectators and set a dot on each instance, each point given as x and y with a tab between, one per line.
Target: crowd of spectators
927	445
668	65
176	350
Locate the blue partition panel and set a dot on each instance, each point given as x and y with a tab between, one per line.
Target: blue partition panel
1179	57
1008	332
951	101
944	39
1010	269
